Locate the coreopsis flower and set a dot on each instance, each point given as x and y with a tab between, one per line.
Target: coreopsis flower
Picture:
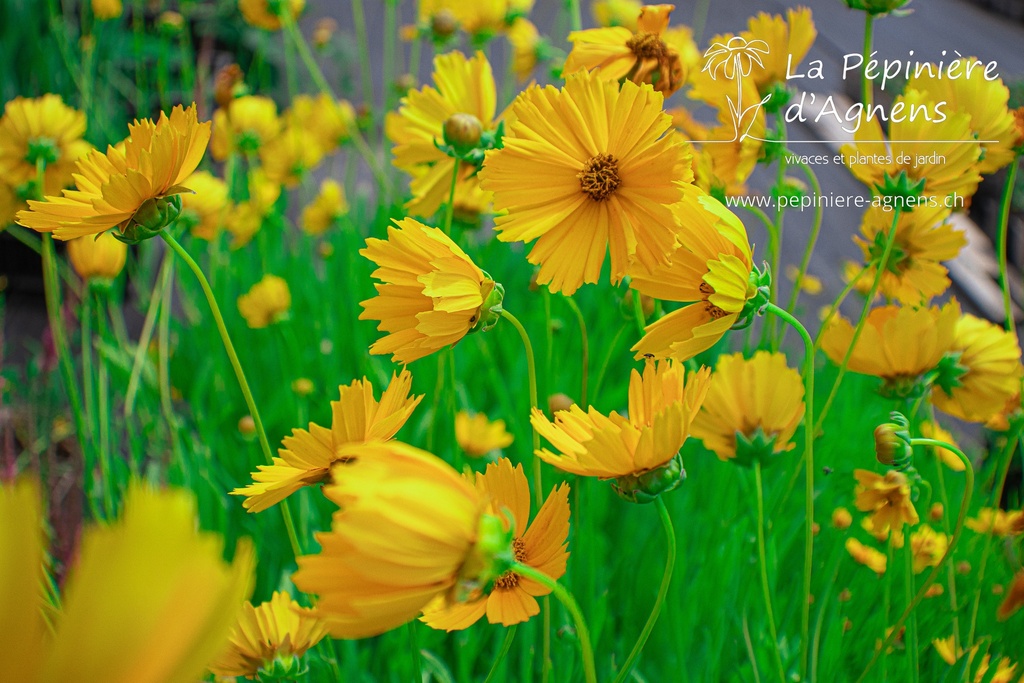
106	9
461	86
887	498
478	436
330	121
898	343
244	126
752	409
431	293
326	209
267	302
272	636
205	210
638	451
410	529
1014	599
808	284
711	268
951	166
289	157
985	371
266	14
583	196
479	19
624	13
641	57
307	456
43	130
869	557
136	189
525	41
149	599
985	101
245	219
997	522
541	545
97	258
929	546
931	430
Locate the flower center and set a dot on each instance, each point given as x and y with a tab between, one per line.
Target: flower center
510	579
714	311
600	177
647	46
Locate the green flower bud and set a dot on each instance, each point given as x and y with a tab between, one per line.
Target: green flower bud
892	442
645	487
462	131
757	447
153	216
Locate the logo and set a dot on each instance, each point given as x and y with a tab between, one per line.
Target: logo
735	60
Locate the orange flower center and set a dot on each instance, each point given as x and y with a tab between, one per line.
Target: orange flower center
600	177
510	579
714	311
647	46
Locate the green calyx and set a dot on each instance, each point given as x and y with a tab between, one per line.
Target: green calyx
153	216
892	442
948	373
491	556
897	255
900	192
42	150
465	145
778	96
758	295
490	311
880	7
281	669
755	447
645	487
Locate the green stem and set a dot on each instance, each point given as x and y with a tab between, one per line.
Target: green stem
957	529
638	310
359	18
883	263
103	403
531	370
565	597
834	308
763	564
867	88
808	373
811	242
908	592
506	645
775	240
1004	221
584	348
163	282
666	579
575	20
390	29
414	650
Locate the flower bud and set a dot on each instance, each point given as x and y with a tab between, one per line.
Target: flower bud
97	258
170	23
963	567
892	442
154	215
936	512
558	402
443	24
644	488
247	427
462	131
841	518
324	31
303	386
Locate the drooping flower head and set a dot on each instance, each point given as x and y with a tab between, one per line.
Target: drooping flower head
135	189
98	258
887	498
639	451
307	456
710	269
271	637
431	293
511	599
267	302
478	436
752	409
41	130
588	170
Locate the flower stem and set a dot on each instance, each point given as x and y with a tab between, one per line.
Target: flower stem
883	263
449	210
808	373
584	349
666	579
811	241
867	88
763	563
162	282
908	592
243	384
575	20
506	645
531	370
957	529
1004	220
565	597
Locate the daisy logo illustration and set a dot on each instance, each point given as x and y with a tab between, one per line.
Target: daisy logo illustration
734	60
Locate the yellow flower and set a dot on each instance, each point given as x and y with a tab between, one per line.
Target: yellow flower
616	13
725	162
331	122
409	530
525	40
481	17
329	206
923	238
149	599
244	126
987	372
928	546
945	649
307	456
953	168
278	629
808	283
266	14
1003	674
898	344
661	410
583	195
931	430
1014	599
290	156
841	518
985	101
135	189
541	545
617	53
788	39
267	302
41	129
869	557
206	208
478	436
461	86
887	498
245	219
752	409
997	522
711	267
431	294
107	9
101	257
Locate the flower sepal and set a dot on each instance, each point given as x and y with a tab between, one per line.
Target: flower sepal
900	191
757	447
490	557
490	309
467	143
282	669
644	488
758	295
153	216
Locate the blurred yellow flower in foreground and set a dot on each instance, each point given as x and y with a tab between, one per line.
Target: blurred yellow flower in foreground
274	634
135	189
869	557
478	436
266	302
325	210
97	258
307	456
266	14
149	600
540	545
44	130
887	498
